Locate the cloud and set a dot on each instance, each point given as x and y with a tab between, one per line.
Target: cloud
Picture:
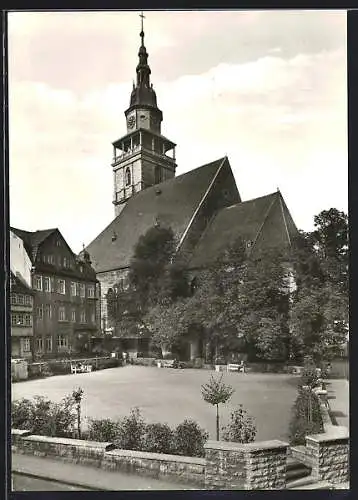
281	119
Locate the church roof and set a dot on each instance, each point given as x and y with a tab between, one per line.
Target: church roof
171	203
261	221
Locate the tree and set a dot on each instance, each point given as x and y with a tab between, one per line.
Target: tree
319	314
216	392
77	395
155	281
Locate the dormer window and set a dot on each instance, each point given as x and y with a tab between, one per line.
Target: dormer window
128	177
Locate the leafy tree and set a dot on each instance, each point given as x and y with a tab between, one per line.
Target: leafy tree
216	392
155	281
77	395
319	314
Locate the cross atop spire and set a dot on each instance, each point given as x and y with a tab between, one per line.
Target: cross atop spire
142	16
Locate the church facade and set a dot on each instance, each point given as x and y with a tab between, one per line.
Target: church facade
203	207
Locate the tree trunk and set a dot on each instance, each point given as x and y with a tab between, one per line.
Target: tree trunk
79	421
217	424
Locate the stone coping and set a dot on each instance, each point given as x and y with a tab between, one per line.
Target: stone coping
68	441
333	433
156	456
249	447
20	432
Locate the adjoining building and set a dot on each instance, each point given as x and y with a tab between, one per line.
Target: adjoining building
203	206
66	309
22	318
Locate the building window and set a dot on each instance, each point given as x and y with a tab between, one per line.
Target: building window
28	300
17	319
51	259
49	344
83	316
73	315
38	283
62	313
28	320
93	317
47	284
44	258
73	288
61	288
13	299
90	291
39	312
59	260
62	341
58	243
157	174
20	299
128	177
26	345
82	290
48	311
39	344
66	262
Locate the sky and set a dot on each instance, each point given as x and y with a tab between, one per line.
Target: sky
266	88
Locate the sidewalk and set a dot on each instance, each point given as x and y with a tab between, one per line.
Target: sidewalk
339	404
86	477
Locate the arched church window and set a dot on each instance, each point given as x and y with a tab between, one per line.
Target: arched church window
157	174
128	177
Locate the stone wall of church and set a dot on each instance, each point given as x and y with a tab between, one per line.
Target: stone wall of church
108	280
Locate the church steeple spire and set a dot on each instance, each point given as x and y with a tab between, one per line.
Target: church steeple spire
143	69
143	157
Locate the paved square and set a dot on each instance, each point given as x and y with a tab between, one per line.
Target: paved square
168	395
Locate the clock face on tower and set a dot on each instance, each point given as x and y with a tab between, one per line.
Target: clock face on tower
131	121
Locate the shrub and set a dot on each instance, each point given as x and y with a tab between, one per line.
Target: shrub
158	438
103	430
309	374
21	414
241	428
131	431
43	416
306	417
189	439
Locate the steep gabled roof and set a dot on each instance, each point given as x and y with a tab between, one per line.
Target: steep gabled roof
171	203
263	220
33	240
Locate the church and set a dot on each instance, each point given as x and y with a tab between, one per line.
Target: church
203	207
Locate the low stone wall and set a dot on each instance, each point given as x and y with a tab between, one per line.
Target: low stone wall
329	454
252	466
326	453
188	470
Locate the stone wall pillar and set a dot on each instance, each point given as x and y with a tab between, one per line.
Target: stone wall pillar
329	454
252	466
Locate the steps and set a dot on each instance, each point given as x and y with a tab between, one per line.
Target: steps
296	470
298	476
309	484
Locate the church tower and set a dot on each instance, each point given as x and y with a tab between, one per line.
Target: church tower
143	157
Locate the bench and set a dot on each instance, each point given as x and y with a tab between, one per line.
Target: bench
235	367
167	363
80	368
